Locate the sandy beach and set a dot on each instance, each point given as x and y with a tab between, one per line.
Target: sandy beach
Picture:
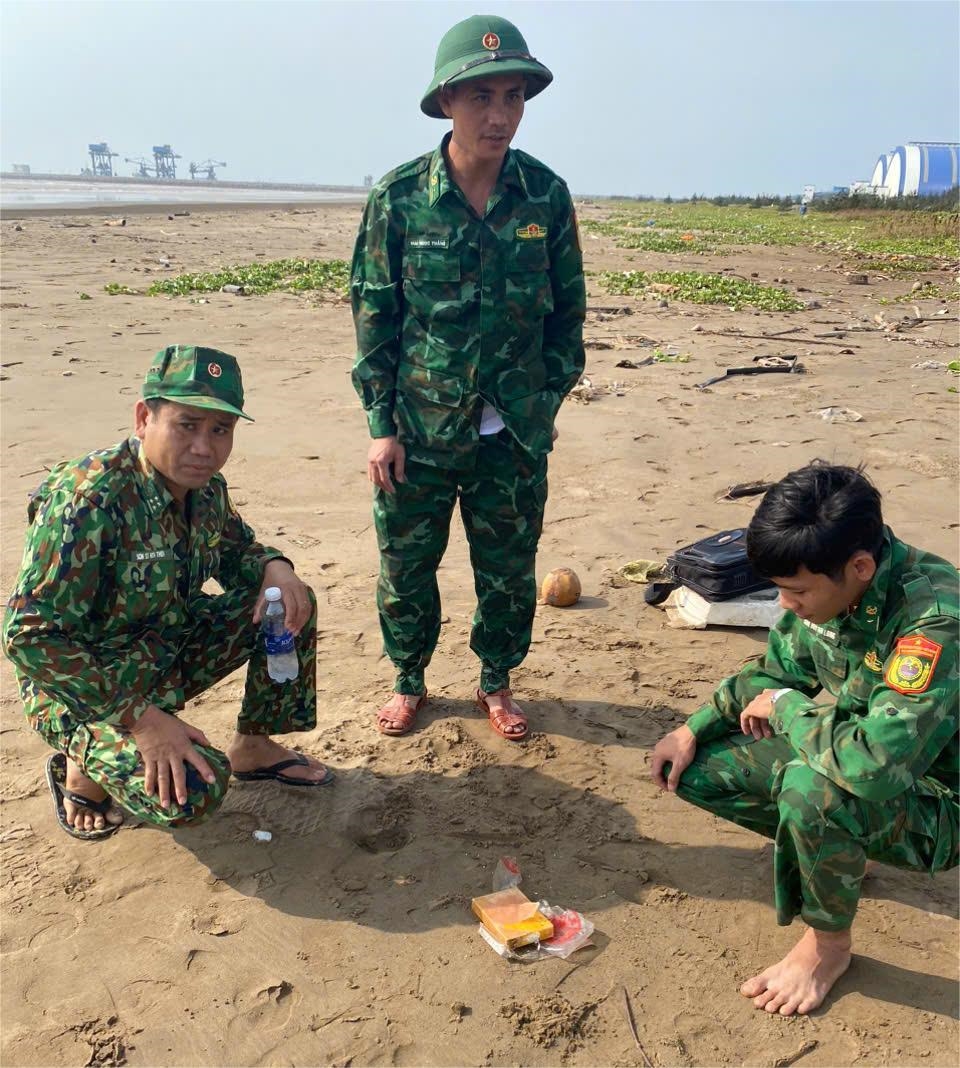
348	939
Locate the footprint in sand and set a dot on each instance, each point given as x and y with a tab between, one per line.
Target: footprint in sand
378	826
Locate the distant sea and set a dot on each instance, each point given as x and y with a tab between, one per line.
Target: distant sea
83	193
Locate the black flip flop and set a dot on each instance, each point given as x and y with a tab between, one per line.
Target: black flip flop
274	772
57	781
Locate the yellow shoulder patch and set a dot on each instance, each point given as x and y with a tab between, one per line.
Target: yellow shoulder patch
911	669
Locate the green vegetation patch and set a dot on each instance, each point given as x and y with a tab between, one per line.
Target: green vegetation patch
900	254
115	289
331	276
895	241
699	288
651	239
928	291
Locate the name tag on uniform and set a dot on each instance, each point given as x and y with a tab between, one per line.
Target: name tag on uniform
822	632
146	555
429	241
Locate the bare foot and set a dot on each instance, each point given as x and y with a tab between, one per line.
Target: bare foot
801	981
248	752
82	819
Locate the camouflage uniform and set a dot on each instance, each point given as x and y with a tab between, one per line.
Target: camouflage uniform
108	616
869	772
453	311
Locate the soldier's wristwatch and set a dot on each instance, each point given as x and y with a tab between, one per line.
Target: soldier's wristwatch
777	694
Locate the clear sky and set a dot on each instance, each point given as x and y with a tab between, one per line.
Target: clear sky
649	97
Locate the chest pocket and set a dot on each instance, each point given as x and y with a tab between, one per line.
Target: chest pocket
832	668
528	289
431	284
144	589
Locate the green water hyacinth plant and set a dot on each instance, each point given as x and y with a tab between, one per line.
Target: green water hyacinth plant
699	288
329	276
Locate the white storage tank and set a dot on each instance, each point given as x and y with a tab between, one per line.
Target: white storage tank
918	168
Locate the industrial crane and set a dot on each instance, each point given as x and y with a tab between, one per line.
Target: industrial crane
100	157
165	161
144	166
207	168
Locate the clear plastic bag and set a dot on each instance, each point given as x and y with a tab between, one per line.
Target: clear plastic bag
571	929
506	874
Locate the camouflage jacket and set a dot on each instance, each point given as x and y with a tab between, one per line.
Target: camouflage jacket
887	676
110	579
452	310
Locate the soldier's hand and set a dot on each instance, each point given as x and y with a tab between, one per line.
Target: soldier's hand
382	454
296	595
678	748
754	719
165	744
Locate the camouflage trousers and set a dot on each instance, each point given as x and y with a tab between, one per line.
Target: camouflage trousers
822	834
501	504
221	640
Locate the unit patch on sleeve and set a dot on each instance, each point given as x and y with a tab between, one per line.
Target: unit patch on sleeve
911	668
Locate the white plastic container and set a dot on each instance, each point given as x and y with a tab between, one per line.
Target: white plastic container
688	610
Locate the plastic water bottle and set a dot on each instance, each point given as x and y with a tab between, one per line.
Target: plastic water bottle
282	663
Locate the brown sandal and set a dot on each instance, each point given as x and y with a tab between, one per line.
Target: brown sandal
405	716
502	718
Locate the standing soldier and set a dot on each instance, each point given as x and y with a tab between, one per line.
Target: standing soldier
840	743
110	632
469	300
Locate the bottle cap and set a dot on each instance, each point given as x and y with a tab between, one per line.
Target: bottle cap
273	593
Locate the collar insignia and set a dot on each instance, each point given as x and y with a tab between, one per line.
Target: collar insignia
873	662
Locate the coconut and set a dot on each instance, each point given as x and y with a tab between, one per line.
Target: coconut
560	588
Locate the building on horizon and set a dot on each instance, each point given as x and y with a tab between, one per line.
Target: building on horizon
918	168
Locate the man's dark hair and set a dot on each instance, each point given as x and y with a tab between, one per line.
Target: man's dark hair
155	403
816	517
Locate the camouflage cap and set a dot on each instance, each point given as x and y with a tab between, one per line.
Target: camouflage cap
477	47
200	377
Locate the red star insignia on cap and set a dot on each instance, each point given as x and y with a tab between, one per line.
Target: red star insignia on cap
491	41
214	370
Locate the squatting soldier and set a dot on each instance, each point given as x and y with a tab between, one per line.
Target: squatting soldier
111	634
468	300
840	743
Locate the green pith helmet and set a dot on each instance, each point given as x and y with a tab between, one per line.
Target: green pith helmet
196	376
479	46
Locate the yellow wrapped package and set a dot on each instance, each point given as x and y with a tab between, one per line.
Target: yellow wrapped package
512	918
